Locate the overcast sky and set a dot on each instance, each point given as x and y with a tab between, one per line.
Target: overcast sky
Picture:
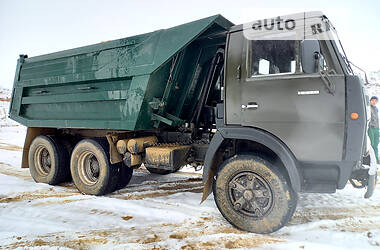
43	26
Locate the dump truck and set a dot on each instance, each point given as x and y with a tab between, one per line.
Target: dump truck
266	119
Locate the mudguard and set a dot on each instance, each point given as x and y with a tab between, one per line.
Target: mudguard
372	174
256	135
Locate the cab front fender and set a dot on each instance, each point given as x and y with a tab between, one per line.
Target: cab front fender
211	162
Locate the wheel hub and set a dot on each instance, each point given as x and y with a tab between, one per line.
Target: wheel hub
250	194
42	161
89	169
92	168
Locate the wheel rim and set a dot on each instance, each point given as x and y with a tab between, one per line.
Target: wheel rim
250	194
42	161
89	169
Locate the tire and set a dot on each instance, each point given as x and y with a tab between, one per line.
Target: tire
48	160
125	176
253	195
91	169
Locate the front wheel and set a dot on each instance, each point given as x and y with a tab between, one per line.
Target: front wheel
253	195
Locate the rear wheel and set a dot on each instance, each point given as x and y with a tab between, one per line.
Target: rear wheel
91	169
253	195
48	160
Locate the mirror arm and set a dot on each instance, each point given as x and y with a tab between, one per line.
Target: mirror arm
330	86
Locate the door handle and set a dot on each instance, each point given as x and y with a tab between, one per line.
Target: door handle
250	105
238	72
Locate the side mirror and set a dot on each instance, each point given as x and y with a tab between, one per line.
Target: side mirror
310	52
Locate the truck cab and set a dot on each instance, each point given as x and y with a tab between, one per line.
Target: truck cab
293	105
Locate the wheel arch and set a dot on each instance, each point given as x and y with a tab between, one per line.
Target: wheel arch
255	136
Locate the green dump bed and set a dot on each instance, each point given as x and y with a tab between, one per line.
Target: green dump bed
140	82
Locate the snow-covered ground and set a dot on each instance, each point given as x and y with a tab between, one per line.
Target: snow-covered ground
163	212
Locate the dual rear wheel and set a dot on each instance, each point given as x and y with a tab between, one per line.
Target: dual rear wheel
89	166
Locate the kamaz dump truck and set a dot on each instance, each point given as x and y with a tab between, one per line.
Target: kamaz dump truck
267	119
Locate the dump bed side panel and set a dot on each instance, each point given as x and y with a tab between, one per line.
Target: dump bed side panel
85	88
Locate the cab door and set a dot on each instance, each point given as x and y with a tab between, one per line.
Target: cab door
276	96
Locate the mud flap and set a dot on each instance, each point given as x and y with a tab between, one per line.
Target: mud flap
32	133
372	174
207	189
115	157
371	186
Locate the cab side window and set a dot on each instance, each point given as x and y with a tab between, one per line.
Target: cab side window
273	57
